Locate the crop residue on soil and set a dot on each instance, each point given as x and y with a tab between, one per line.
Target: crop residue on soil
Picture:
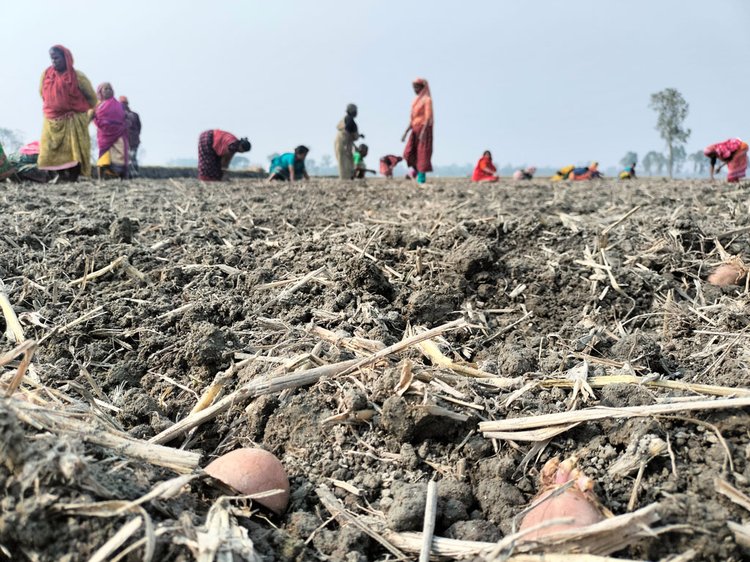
144	296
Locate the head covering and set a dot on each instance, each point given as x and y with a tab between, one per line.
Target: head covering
351	109
61	94
109	119
123	99
724	149
531	170
100	88
425	86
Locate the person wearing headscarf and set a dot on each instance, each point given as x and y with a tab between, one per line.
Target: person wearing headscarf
485	170
215	151
67	96
347	133
526	174
733	154
133	121
418	151
111	134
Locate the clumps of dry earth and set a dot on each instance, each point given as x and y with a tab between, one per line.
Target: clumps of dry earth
375	337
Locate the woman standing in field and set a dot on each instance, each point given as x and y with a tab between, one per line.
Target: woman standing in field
111	134
733	153
418	151
348	132
215	150
67	96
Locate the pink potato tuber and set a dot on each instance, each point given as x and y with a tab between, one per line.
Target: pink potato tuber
252	471
577	502
727	274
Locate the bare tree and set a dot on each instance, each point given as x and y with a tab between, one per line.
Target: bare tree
11	140
660	162
629	158
650	161
679	158
700	162
325	161
672	109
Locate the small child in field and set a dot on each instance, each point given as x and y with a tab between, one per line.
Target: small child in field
360	168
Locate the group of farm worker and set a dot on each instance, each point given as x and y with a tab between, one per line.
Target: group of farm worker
70	104
486	172
573	173
418	151
216	147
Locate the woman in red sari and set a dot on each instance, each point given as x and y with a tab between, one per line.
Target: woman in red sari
485	170
733	153
67	96
418	151
215	150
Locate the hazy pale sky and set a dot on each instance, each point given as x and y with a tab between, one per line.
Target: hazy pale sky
542	82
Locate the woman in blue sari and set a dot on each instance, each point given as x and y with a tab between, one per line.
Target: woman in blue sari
289	166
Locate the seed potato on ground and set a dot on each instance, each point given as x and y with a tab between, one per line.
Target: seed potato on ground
176	322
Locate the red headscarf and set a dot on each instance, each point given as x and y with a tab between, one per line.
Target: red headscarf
109	120
60	92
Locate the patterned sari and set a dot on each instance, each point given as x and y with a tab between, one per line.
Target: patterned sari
734	153
111	136
418	150
213	147
66	96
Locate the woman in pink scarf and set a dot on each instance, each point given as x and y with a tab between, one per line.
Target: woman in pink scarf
111	134
733	153
418	151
